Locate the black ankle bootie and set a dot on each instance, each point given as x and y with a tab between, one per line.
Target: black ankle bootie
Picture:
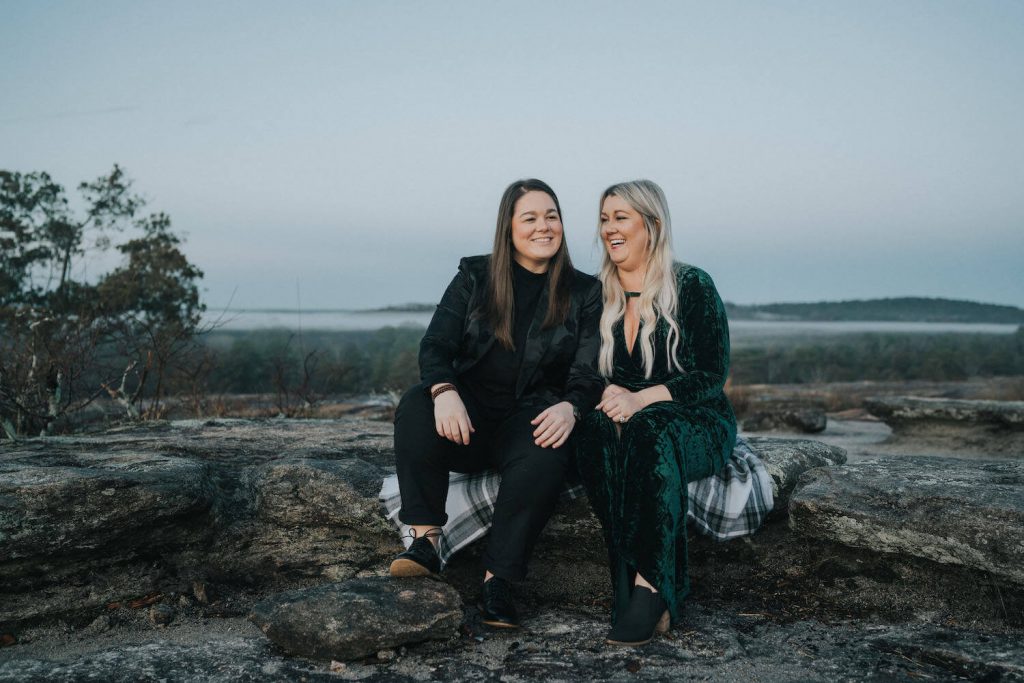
497	608
645	615
421	559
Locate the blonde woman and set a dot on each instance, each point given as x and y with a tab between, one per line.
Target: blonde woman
663	419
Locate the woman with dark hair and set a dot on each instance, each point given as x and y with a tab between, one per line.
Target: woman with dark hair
663	420
508	364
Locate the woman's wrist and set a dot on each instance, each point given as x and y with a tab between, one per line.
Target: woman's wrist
654	394
645	397
440	388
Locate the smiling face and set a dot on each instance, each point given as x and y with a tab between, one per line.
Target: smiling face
624	235
536	231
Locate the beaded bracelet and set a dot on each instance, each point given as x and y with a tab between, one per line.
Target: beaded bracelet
440	390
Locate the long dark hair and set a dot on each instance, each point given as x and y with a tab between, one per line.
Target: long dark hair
498	305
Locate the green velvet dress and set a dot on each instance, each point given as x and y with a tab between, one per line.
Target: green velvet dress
637	481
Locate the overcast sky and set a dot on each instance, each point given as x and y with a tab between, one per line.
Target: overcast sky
353	151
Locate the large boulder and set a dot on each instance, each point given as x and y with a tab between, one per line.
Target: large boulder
81	530
899	410
359	617
95	503
67	518
308	518
91	520
945	510
305	491
979	427
786	459
785	415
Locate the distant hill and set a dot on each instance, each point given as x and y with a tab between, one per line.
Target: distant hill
901	309
402	308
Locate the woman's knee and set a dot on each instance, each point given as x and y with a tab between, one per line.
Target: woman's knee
655	416
539	467
593	433
415	430
414	403
644	430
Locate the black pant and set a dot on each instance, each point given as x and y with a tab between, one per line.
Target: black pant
531	476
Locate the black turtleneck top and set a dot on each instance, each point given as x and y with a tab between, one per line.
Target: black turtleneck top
492	381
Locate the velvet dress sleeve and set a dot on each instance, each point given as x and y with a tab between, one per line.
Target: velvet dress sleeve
584	384
705	328
441	342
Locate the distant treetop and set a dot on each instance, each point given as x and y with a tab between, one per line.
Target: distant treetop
900	309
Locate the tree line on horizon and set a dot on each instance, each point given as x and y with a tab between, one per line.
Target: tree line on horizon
889	309
358	362
895	309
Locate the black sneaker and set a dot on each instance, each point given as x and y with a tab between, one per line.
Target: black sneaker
497	608
421	559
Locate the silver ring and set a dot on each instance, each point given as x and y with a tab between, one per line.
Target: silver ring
622	418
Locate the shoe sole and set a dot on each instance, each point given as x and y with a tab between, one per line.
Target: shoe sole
500	624
404	568
625	644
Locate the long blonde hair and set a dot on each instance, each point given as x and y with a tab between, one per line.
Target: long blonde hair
658	298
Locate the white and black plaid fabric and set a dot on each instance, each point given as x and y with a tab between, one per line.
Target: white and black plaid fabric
732	503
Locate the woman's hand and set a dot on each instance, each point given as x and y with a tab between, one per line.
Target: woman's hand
554	425
622	405
451	419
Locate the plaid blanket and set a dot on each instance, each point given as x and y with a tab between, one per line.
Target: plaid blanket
732	503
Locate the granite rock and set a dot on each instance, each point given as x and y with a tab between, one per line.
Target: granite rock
787	459
946	510
991	428
710	644
778	414
359	617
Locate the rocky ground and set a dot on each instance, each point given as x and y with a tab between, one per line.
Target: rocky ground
234	550
713	643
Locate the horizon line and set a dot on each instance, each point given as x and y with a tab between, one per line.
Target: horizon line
385	308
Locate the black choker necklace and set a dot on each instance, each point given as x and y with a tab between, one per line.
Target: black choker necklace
632	294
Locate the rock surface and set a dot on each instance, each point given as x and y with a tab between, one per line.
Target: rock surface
712	643
786	459
211	659
899	409
786	415
82	529
90	520
979	657
983	427
94	519
359	617
259	507
96	503
944	510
